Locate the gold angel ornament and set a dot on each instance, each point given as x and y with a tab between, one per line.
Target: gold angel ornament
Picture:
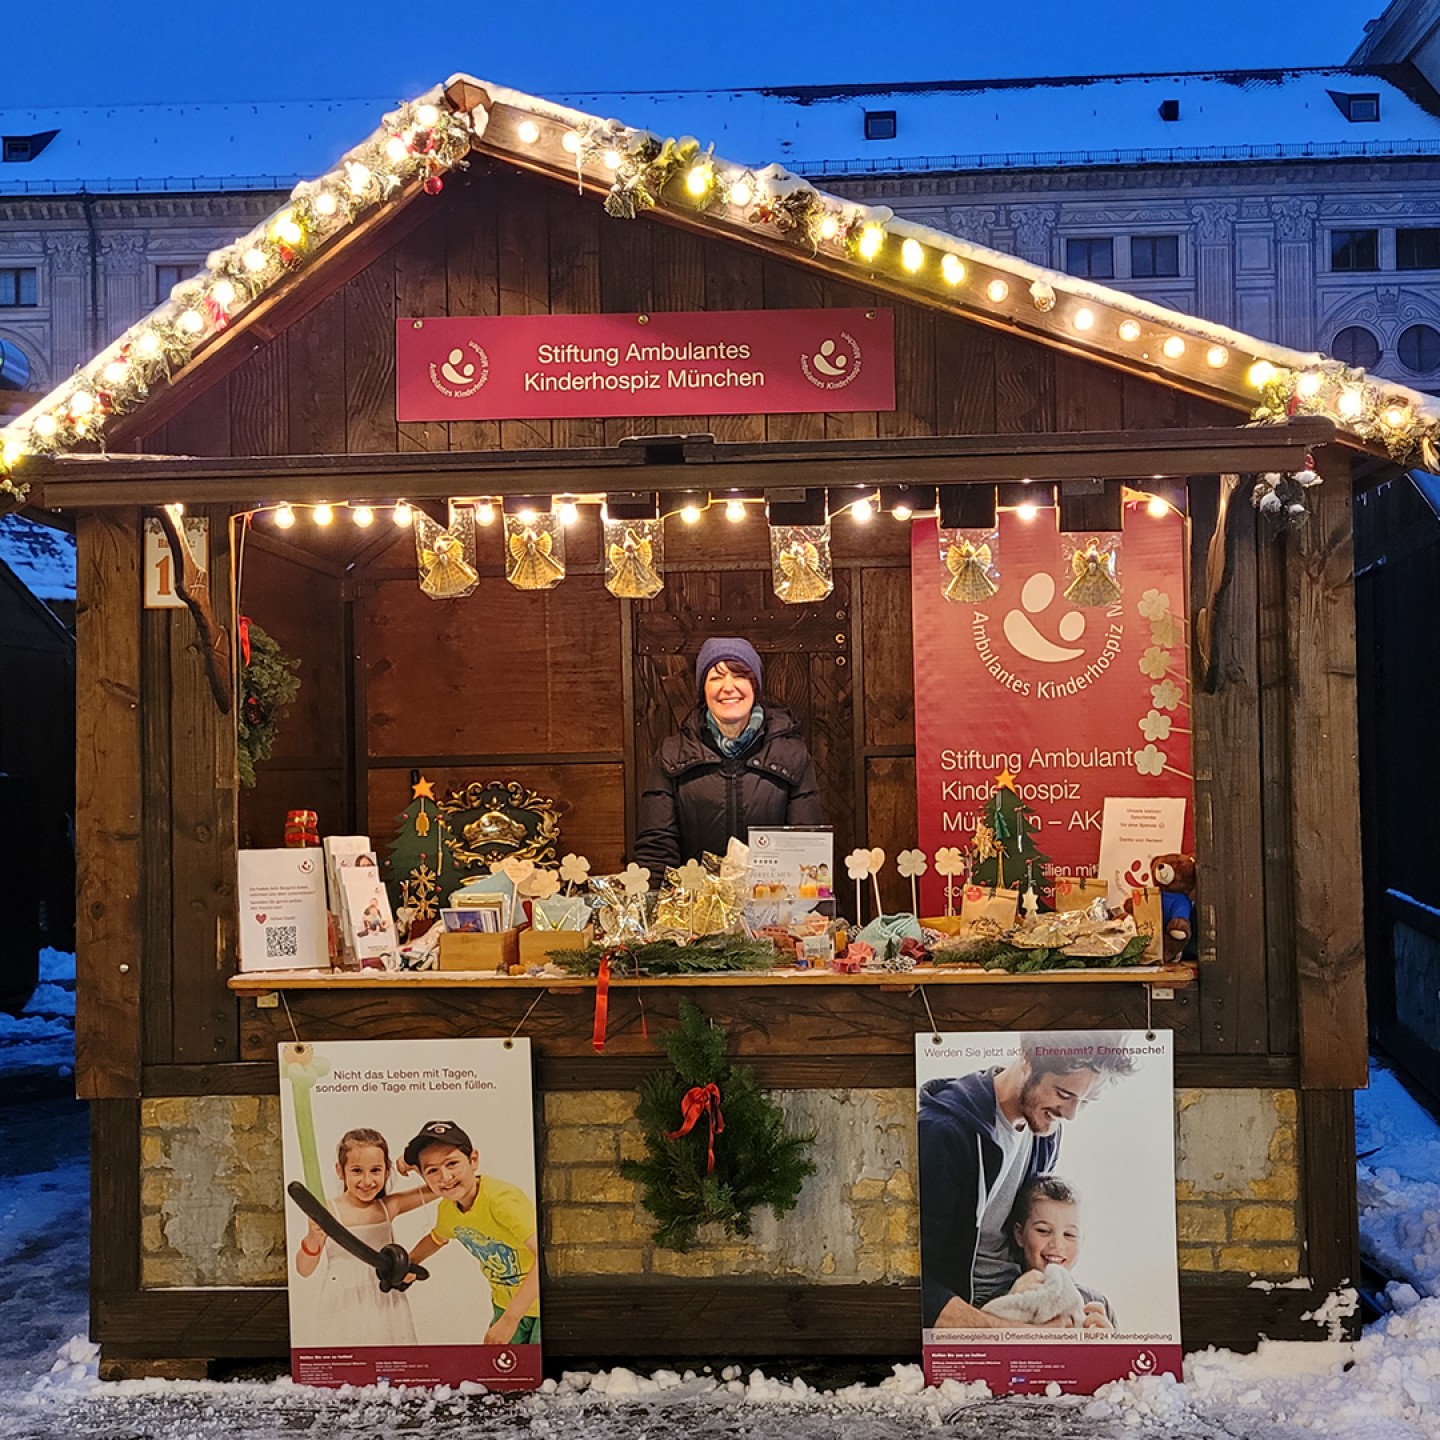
1093	569
534	551
969	564
800	563
446	556
633	556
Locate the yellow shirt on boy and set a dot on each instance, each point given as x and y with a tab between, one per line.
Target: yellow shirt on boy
494	1230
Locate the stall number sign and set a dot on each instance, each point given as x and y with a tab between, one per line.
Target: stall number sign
160	591
717	362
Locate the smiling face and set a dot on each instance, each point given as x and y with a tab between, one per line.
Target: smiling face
451	1173
1050	1234
364	1172
1049	1098
729	694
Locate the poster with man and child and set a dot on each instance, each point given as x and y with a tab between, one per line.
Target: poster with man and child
1047	1208
412	1236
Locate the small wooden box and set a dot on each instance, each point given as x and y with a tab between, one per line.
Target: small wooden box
479	950
537	945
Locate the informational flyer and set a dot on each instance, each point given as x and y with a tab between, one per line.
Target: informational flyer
410	1213
282	910
369	926
1047	1208
1132	833
792	863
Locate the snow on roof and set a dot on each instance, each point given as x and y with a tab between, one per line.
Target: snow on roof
433	133
962	124
42	558
149	148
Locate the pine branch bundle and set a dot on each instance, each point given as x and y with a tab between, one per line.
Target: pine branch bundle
758	1161
706	956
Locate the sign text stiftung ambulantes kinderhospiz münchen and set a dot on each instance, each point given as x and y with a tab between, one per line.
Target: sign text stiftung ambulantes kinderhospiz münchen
722	362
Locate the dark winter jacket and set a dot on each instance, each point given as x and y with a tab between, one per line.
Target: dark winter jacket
696	798
960	1161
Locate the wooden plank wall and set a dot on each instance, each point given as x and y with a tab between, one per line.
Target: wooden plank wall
502	679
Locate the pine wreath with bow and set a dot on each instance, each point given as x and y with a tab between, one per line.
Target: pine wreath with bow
716	1146
268	683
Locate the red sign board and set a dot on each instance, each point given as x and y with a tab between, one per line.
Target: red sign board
1079	704
720	362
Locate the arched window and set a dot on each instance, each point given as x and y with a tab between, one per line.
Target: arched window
1355	345
1419	349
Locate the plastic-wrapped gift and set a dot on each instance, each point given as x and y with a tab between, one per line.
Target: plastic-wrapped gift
560	912
972	575
675	904
622	915
634	554
720	903
1091	566
800	563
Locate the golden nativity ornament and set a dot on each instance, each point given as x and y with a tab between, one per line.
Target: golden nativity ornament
1093	569
534	552
633	557
800	563
969	567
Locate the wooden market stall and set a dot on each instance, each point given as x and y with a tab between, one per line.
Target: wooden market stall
287	396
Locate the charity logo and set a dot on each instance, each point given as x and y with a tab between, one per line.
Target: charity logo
760	842
834	363
505	1361
307	867
1026	637
1137	875
463	371
1144	1363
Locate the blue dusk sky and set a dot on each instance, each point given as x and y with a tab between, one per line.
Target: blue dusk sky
150	51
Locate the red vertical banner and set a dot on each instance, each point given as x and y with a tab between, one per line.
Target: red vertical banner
1079	704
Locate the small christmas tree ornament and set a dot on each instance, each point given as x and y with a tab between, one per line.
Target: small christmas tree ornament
534	550
634	554
446	556
1092	566
716	1146
969	559
1004	847
418	866
800	563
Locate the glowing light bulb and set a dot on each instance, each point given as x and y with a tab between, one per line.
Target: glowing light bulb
284	517
1129	330
829	227
1083	320
997	290
1216	356
570	142
735	510
1308	384
396	149
401	514
901	512
1395	416
326	203
690	514
82	402
428	116
148	343
485	513
611	159
177	509
1158	507
1350	402
192	322
527	516
569	512
222	292
359	176
1260	374
46	426
1173	348
740	192
912	255
953	269
363	516
114	373
528	132
862	511
323	514
255	260
286	230
1028	511
699	179
872	239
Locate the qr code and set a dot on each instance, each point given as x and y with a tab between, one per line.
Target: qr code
280	942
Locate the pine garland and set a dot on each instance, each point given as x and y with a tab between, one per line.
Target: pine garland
267	684
706	956
758	1161
998	955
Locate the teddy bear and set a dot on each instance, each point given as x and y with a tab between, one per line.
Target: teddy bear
1174	877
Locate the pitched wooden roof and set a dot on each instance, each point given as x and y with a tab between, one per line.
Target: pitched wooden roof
250	286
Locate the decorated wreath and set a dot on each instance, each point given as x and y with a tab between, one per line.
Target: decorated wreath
268	684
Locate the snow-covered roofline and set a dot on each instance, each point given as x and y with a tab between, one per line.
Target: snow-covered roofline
634	170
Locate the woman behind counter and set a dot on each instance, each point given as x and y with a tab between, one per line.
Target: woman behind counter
734	764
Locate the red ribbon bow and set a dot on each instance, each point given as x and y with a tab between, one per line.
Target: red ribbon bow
701	1100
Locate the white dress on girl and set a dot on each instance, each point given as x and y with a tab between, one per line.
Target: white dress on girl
356	1311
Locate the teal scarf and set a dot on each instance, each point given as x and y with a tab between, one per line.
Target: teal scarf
743	741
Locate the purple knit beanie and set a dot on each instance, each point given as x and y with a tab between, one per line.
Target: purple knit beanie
729	648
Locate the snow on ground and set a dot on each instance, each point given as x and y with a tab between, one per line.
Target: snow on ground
1386	1386
37	1047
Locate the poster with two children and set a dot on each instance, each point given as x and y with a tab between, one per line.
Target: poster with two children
411	1227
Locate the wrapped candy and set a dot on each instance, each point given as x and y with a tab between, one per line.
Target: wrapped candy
969	557
1092	566
446	557
621	914
700	899
720	904
800	563
534	551
634	553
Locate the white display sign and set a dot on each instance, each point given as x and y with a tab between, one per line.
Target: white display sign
1132	833
160	563
282	910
